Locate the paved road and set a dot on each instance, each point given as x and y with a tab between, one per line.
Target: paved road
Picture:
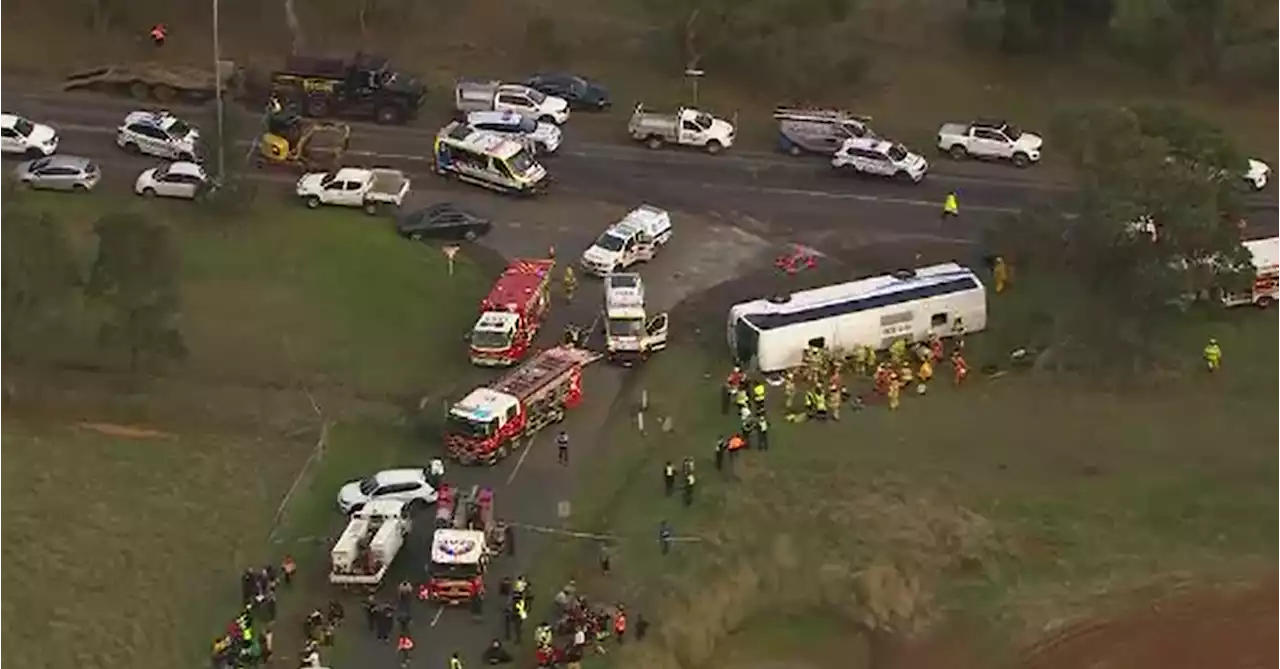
732	208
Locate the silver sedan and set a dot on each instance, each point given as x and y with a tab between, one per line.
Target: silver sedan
59	172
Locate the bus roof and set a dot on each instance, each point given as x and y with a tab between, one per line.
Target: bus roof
855	296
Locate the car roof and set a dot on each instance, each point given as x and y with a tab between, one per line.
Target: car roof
65	160
506	117
870	143
159	119
351	174
184	167
988	122
9	120
406	475
488	143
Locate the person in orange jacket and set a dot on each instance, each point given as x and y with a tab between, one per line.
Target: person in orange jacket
159	32
959	366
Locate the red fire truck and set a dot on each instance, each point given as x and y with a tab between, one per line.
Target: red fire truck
466	536
496	419
512	313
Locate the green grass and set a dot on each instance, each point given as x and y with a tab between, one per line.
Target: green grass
125	551
132	546
1014	502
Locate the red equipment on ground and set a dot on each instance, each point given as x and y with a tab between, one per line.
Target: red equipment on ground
495	419
512	313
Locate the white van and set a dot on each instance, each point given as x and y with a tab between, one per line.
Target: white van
772	334
636	238
488	160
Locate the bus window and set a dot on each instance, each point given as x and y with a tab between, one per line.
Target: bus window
746	340
818	342
938	320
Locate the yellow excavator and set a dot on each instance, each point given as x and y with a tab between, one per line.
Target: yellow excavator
291	140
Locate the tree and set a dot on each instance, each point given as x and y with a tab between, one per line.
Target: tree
136	278
41	276
1154	222
235	190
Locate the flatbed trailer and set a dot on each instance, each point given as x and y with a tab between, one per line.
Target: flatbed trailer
159	82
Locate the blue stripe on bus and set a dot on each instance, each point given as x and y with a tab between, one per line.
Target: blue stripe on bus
775	321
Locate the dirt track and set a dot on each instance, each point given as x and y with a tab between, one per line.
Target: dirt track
1220	630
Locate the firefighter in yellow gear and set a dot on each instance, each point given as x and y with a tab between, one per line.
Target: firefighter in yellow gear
740	398
1213	355
1001	274
871	359
926	371
950	206
758	392
905	374
898	351
895	394
860	360
789	389
570	283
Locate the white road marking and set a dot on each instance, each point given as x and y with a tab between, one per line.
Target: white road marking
516	470
439	612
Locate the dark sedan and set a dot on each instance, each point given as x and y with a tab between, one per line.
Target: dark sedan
582	93
443	220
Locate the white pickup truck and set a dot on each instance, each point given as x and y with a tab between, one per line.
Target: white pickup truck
370	189
472	96
992	139
686	127
370	543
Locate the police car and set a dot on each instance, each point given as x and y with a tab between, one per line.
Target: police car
879	157
21	136
159	134
544	136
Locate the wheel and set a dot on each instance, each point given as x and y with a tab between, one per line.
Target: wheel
713	147
416	236
903	177
27	184
389	115
1021	159
79	188
371	208
313	202
317	106
148	192
1264	302
958	152
163	93
795	150
547	119
130	147
139	91
470	235
653	142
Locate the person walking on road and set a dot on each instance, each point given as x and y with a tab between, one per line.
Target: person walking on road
762	432
950	206
562	448
1213	355
158	33
455	662
669	478
521	609
720	446
689	481
606	556
664	537
1000	271
570	283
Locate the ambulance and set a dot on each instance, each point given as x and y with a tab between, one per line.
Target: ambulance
1265	254
488	160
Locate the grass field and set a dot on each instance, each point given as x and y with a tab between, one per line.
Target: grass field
131	543
1004	509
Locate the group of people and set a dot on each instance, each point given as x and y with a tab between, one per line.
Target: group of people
248	638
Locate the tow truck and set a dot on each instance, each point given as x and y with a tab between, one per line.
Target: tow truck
512	313
467	535
630	336
493	420
373	537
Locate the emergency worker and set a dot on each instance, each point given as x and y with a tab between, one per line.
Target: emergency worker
906	375
950	206
159	33
819	405
720	448
835	395
620	624
935	347
690	480
898	351
762	433
860	361
960	368
789	388
895	394
1000	271
455	662
570	283
1213	355
758	393
669	478
521	609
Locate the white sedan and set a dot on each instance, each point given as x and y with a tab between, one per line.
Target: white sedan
181	179
27	138
414	486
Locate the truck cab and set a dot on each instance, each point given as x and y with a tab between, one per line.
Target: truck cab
635	238
459	559
630	335
493	335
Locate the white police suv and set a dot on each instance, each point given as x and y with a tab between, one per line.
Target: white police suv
21	136
879	157
159	134
544	136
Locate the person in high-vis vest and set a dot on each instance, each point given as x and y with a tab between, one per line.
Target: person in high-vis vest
669	478
898	351
1213	355
950	206
543	635
570	283
455	662
1000	272
758	393
689	481
819	405
521	609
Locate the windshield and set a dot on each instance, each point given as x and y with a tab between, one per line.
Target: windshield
40	164
23	127
368	486
489	339
703	121
454	571
897	153
522	162
327	179
537	96
610	242
178	129
625	327
578	87
468	428
1013	132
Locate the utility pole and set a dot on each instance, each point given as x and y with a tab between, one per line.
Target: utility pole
217	75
